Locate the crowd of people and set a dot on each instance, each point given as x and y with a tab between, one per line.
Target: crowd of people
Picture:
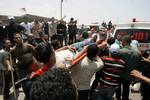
58	69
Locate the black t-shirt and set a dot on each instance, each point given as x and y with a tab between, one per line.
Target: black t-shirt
72	28
11	29
61	29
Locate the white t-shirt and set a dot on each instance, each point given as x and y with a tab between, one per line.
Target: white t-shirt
27	27
135	44
83	72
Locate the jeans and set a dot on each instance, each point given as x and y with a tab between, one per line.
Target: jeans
26	88
103	93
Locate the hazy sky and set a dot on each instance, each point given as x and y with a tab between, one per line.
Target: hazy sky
86	11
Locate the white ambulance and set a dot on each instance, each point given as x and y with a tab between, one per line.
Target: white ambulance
139	30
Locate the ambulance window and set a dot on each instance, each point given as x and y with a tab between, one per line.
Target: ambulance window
142	35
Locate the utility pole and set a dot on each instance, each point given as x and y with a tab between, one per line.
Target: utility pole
61	1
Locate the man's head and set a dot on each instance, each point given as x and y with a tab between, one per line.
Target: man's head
93	30
7	43
103	35
11	20
18	38
94	37
44	53
85	35
72	19
56	44
126	40
36	21
55	84
146	53
92	51
52	19
111	40
30	37
45	37
114	48
118	37
25	61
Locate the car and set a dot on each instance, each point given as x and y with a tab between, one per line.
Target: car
139	30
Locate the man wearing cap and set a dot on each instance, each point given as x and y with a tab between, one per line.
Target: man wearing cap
108	78
12	28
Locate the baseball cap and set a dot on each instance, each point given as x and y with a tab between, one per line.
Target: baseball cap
11	17
114	48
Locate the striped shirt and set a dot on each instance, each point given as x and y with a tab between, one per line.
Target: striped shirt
111	71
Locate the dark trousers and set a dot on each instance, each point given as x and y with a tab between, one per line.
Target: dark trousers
58	37
26	88
146	96
145	91
65	39
124	91
5	79
103	93
83	94
72	38
2	82
7	83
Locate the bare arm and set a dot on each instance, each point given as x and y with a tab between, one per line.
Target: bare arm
78	57
139	75
66	47
8	65
146	60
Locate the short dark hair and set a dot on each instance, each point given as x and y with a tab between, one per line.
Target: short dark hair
25	61
111	40
146	53
92	51
126	38
56	44
43	52
14	34
85	35
71	18
55	84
